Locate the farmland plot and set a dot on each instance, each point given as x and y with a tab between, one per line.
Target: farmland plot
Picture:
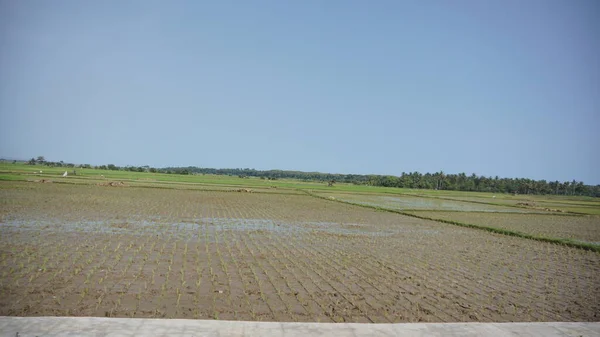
553	203
127	252
408	202
580	228
539	204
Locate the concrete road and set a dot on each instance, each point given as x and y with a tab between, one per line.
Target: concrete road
98	326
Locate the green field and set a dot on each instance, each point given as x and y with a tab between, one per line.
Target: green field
24	172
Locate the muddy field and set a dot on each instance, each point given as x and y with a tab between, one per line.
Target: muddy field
408	202
141	252
584	228
556	204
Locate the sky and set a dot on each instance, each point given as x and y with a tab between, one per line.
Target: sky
508	88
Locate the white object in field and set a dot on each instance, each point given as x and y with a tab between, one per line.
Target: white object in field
493	196
65	174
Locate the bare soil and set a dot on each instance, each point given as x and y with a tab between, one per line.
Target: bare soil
139	252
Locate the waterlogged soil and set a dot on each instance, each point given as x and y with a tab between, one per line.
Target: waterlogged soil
193	229
584	207
406	202
584	228
71	250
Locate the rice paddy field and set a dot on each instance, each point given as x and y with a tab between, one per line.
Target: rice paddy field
242	249
408	202
580	205
580	228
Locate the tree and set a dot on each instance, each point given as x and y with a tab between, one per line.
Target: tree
41	159
440	181
553	185
31	161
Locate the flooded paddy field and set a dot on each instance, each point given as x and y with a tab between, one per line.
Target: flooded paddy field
410	202
585	228
86	250
554	203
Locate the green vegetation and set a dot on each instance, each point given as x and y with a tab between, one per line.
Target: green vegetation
23	172
438	181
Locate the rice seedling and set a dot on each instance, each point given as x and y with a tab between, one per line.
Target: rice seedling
262	257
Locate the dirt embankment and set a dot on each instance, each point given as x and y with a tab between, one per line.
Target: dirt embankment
533	205
43	181
244	190
113	184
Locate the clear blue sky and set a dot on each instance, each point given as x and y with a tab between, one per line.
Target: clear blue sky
508	88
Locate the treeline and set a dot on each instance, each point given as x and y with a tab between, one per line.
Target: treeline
42	161
271	174
463	182
416	180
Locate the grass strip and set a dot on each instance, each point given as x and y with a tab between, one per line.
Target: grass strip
545	213
559	241
533	212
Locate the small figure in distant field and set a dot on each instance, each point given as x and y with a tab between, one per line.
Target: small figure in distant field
65	174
